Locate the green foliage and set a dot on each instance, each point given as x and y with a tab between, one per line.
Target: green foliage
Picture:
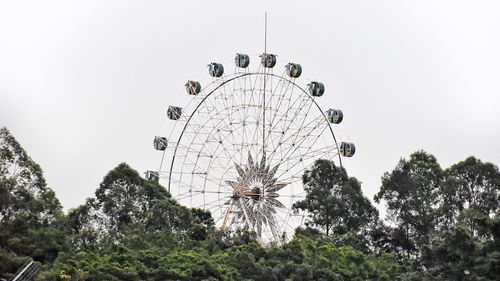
411	192
456	254
29	210
444	225
447	222
470	186
151	256
125	201
334	202
24	192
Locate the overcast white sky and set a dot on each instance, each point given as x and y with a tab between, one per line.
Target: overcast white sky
85	85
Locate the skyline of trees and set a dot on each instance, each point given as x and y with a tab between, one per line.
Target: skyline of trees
440	224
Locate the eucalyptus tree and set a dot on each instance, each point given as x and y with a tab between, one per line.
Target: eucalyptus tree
471	189
124	201
412	193
29	210
334	202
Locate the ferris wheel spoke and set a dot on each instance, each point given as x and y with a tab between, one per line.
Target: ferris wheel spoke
251	92
209	191
223	138
244	210
185	195
295	177
257	112
314	154
281	99
212	118
231	116
217	201
291	140
188	187
314	141
244	111
313	138
228	164
304	131
304	119
273	94
219	140
191	195
181	184
285	221
303	99
286	125
265	102
223	87
219	160
217	182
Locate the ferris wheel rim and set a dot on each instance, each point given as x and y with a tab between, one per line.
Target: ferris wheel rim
223	81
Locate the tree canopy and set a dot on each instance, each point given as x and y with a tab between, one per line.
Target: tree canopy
445	222
30	213
442	224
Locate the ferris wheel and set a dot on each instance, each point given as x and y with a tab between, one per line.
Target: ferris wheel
239	148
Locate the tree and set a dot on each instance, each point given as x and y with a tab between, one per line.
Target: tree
86	225
411	192
471	186
444	225
29	210
467	244
23	189
455	254
334	202
126	201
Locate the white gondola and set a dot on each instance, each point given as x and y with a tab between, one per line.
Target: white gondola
334	116
316	89
215	69
193	87
160	143
242	60
268	60
153	176
347	149
293	70
174	112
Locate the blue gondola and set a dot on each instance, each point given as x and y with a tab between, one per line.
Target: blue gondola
174	112
215	69
193	87
335	116
242	60
268	60
316	89
293	70
347	149
153	176
160	143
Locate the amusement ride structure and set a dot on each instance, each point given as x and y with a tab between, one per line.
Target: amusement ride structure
239	148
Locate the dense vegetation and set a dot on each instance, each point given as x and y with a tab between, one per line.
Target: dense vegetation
442	224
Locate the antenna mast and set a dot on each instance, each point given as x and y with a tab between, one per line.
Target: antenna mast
264	93
265	33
